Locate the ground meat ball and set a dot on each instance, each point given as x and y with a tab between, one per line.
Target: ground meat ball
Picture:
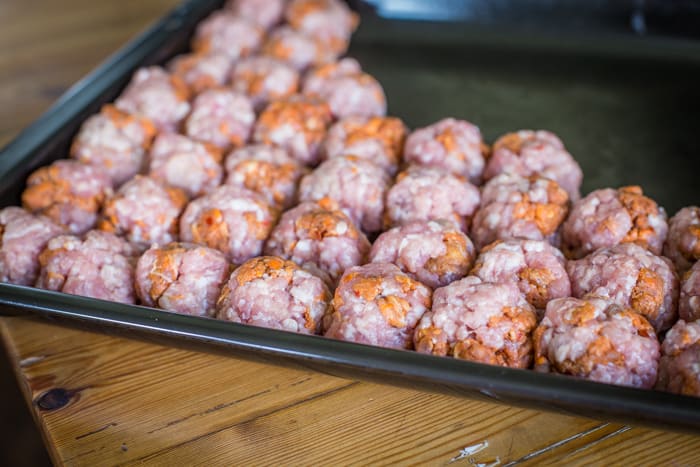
432	252
181	277
357	185
22	237
679	367
193	167
452	145
607	217
144	211
297	49
233	220
271	292
266	170
99	266
528	152
201	71
516	207
158	96
689	302
535	266
378	139
377	304
68	192
264	79
424	193
330	21
265	13
115	141
346	88
319	237
479	321
222	118
683	241
227	33
297	124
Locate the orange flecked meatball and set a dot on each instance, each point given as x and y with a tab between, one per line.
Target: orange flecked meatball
265	13
683	242
227	33
679	367
221	117
331	21
264	79
201	71
297	49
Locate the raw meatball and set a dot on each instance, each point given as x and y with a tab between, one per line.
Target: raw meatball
266	170
233	220
144	211
607	217
453	145
346	88
297	49
632	277
528	152
114	141
423	194
357	185
180	162
330	21
99	266
597	340
683	241
264	79
479	321
679	367
297	124
68	192
378	139
318	237
538	269
158	96
181	277
227	33
689	302
201	71
377	304
432	252
221	117
265	13
274	293
516	207
22	237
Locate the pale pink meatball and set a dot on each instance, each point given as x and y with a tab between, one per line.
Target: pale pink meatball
222	118
689	302
265	13
264	79
227	33
297	49
201	71
479	321
274	293
449	144
594	339
683	242
330	21
377	304
679	367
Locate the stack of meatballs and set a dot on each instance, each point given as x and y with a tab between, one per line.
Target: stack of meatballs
258	180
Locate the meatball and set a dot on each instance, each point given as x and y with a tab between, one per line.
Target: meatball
357	185
683	242
68	192
538	269
180	162
233	220
297	49
632	277
114	141
264	79
181	277
479	321
266	170
227	33
201	71
594	339
528	152
158	96
423	193
679	367
435	253
297	124
689	302
144	211
607	217
272	292
330	21
515	207
453	145
377	304
99	266
22	237
346	88
319	237
265	13
378	139
222	118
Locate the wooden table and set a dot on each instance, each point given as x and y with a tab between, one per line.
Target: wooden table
105	400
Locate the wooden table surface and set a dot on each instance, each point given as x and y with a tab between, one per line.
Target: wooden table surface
104	400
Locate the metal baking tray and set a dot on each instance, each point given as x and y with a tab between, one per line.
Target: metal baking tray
612	78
